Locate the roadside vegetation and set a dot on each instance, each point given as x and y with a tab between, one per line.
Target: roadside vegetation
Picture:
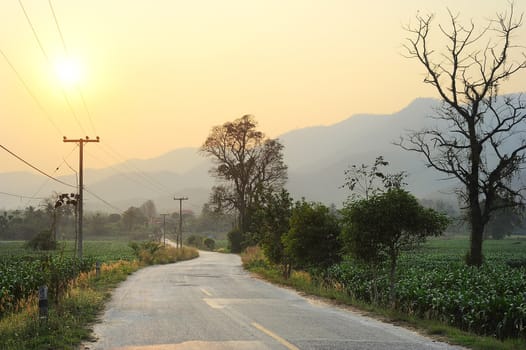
481	308
76	294
384	251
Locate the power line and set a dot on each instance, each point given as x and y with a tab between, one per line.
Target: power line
67	54
30	92
54	172
20	196
161	188
103	200
34	167
34	30
58	26
37	38
128	175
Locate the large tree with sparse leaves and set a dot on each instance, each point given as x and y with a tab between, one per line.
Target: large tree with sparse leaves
246	164
480	141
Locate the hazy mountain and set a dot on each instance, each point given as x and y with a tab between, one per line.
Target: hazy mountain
317	158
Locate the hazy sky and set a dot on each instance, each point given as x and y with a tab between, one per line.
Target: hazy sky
157	75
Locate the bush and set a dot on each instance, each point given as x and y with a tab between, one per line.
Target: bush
209	243
235	240
42	241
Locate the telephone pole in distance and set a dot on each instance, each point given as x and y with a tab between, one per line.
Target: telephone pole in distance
81	143
164	227
181	199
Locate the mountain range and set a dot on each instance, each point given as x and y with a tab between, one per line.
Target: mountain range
316	156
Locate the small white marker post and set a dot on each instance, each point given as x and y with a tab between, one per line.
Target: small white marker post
42	303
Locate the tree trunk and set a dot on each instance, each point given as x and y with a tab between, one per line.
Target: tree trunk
477	234
474	257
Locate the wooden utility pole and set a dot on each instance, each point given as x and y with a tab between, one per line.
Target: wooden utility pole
164	227
181	199
81	186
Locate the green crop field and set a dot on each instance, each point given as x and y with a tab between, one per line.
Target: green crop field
23	270
434	282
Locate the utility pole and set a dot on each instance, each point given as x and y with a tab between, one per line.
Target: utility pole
81	185
181	199
164	227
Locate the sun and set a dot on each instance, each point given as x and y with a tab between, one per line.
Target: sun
69	71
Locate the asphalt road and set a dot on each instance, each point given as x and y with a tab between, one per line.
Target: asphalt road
212	303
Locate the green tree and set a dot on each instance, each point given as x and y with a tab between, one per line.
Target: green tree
97	224
149	210
273	220
367	180
245	163
379	228
213	221
504	222
132	218
313	238
480	138
235	241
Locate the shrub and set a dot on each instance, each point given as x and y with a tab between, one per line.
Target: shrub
42	241
209	243
235	240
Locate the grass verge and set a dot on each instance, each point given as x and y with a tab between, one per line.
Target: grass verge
69	317
302	282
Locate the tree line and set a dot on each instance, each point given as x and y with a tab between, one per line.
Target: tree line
482	146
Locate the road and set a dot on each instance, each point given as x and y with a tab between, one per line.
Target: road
212	303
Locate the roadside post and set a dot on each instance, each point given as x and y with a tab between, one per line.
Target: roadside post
42	303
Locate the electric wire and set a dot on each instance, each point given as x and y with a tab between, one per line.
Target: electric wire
134	169
34	167
66	51
31	93
128	175
21	196
54	172
37	38
152	182
102	200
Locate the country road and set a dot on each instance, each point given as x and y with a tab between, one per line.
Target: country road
212	303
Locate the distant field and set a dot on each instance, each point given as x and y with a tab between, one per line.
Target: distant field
456	247
103	250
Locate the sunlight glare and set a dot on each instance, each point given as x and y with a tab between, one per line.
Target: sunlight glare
69	72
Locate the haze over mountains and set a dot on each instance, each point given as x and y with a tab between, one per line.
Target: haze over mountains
316	156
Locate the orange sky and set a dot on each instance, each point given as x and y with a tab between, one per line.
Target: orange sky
159	74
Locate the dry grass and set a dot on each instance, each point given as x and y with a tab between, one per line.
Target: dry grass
69	317
253	257
167	255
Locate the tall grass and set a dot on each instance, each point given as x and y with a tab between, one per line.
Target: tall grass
152	253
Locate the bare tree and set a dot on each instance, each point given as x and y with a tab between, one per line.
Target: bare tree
483	146
245	163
